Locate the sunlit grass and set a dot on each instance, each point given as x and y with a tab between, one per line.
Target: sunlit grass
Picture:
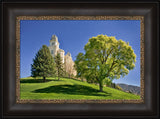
65	88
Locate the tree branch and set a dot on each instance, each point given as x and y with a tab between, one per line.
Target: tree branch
111	68
108	55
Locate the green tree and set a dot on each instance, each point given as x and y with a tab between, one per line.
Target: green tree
80	66
59	65
43	64
108	82
107	58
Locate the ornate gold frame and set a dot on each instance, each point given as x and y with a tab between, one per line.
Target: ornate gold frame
18	18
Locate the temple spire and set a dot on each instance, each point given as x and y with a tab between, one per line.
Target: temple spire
54	37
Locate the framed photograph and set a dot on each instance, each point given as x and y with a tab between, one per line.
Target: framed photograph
80	59
69	82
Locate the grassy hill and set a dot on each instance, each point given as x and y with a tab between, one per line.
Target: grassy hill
67	89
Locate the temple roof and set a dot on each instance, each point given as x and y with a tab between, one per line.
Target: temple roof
54	38
69	54
60	50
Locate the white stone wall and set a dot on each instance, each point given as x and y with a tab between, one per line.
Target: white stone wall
54	46
54	49
69	65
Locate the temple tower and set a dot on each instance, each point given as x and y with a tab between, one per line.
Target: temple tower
54	47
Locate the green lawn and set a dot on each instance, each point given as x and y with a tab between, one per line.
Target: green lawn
67	89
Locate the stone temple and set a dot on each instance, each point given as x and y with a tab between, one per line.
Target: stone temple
54	47
66	59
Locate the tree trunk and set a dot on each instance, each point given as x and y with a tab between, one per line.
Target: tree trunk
44	79
58	77
101	86
58	74
82	79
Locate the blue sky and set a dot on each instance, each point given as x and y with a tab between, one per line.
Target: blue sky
73	35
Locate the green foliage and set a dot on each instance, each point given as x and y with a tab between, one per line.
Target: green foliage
59	66
43	63
108	82
80	66
65	74
118	87
105	58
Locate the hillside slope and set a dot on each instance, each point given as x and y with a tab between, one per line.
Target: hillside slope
131	88
67	89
